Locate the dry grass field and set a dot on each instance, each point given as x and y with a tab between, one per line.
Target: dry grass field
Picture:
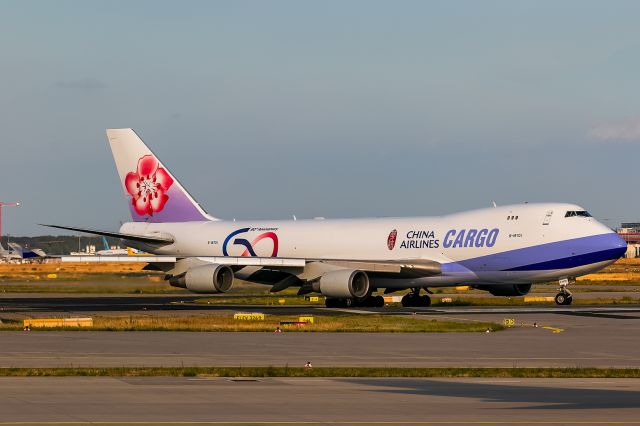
12	271
624	270
287	371
227	323
107	278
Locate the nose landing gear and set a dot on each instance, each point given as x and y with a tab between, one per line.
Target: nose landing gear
564	297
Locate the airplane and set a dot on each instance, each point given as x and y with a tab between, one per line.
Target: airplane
16	251
108	251
4	253
502	249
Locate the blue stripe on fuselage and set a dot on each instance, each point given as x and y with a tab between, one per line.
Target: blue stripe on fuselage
557	255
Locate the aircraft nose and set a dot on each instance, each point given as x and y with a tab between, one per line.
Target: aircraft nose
616	245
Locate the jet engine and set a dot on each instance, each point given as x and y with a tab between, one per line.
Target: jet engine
343	284
505	289
205	279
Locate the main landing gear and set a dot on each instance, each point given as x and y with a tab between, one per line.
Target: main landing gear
564	297
369	302
414	299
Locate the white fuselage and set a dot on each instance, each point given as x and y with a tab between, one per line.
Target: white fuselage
521	243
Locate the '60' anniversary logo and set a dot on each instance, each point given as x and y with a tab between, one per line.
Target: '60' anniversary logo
249	246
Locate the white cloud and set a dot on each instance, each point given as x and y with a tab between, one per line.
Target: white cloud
626	130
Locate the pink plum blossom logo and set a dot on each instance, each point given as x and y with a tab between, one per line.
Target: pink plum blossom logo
148	186
391	239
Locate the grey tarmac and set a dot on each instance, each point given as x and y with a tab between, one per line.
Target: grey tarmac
20	305
574	336
162	400
585	340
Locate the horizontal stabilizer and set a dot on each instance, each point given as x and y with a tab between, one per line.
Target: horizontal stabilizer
132	237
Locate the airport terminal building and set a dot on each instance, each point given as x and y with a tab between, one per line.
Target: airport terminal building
630	232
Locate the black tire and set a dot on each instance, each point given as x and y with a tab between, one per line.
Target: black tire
425	301
411	301
348	303
331	303
407	301
568	300
378	302
369	302
561	299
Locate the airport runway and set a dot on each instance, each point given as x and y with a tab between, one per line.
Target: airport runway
162	400
582	336
570	341
39	304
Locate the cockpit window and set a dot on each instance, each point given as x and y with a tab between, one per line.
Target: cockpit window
581	213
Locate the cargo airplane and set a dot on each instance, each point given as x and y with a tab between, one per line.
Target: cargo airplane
502	250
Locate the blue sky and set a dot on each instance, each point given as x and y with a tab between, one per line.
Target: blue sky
333	108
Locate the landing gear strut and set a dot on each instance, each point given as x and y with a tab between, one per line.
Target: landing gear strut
564	297
414	299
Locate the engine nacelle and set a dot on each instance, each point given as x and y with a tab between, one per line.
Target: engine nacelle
505	289
343	284
205	279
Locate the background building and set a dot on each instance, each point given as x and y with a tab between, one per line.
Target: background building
630	232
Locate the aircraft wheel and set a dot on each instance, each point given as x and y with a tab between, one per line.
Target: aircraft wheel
331	303
425	301
369	302
410	301
407	301
378	302
563	299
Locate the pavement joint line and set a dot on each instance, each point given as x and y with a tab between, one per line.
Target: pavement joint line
168	422
426	314
351	311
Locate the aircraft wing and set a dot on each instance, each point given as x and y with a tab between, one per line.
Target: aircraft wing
407	267
411	268
271	262
151	239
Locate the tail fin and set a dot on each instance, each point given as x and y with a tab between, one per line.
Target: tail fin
16	248
154	194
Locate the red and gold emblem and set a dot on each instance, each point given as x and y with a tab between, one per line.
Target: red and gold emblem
391	240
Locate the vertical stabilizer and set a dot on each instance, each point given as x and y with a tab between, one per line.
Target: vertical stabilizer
154	193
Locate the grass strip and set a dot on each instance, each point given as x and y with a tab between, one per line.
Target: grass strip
363	372
226	323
